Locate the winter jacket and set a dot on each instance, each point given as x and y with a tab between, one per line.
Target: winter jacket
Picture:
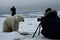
51	25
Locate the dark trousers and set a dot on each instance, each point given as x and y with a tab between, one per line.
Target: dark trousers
13	13
50	36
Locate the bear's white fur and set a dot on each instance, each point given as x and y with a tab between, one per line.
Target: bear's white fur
12	23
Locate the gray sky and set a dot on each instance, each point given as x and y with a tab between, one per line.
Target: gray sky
30	4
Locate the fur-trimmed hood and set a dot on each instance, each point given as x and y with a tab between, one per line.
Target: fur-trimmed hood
51	13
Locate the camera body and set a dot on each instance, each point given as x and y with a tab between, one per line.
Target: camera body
40	19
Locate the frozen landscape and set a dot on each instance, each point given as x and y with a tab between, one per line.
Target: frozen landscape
31	10
29	25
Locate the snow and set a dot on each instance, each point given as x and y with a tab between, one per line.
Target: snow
29	25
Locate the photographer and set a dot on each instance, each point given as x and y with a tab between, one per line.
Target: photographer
50	24
13	9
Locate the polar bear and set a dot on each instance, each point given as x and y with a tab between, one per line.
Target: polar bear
12	23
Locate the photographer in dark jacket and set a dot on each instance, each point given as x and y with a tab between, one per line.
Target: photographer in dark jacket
51	24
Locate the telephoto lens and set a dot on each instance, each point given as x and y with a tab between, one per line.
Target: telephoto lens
38	19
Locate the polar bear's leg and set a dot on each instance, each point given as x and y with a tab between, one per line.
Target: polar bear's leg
6	27
15	27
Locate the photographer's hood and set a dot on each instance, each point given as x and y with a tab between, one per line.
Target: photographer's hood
51	13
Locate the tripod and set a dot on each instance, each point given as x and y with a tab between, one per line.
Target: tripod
36	30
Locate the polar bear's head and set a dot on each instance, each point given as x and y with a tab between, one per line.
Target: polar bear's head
18	18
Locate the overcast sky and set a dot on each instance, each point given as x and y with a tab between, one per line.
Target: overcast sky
30	4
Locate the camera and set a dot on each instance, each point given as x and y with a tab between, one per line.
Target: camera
40	19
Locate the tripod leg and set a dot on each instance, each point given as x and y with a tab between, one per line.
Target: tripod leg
39	31
35	32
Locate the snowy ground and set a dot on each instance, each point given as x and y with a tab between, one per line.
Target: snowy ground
29	25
